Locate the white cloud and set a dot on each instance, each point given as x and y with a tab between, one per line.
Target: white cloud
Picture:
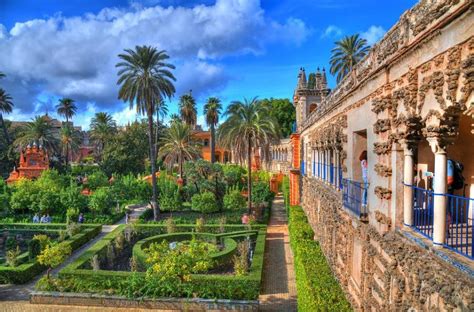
332	31
76	56
373	34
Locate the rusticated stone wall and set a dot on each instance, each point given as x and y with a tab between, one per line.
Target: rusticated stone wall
381	272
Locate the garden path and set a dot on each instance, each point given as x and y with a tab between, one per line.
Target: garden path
279	285
22	292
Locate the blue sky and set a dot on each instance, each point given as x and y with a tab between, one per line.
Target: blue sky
227	48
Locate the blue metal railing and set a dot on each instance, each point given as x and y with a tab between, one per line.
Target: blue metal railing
314	168
293	127
459	219
340	178
460	226
303	168
353	194
423	211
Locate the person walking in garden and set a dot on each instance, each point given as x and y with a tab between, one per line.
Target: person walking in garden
36	218
43	219
127	217
81	218
365	178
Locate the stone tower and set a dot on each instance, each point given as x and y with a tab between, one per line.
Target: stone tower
307	97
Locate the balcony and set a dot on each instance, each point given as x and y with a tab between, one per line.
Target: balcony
459	219
354	198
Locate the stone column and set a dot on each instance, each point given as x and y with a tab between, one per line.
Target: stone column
439	213
337	167
408	164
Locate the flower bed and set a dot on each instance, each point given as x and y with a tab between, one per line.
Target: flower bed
27	268
80	277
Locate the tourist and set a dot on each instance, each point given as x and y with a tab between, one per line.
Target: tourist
43	219
127	217
48	218
81	218
365	178
36	218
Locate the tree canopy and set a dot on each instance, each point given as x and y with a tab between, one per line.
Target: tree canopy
284	112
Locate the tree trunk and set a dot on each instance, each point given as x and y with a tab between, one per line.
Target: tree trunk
67	145
213	144
181	165
5	132
249	178
154	205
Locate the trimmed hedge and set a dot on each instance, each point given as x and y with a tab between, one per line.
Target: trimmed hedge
220	257
211	286
285	188
318	289
26	271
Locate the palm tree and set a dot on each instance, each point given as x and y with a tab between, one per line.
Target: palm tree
249	126
346	54
175	118
187	109
70	139
6	106
103	127
212	110
179	145
67	109
38	130
146	79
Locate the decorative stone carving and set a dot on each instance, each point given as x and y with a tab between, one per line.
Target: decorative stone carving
435	82
382	148
427	12
382	192
382	218
381	125
383	170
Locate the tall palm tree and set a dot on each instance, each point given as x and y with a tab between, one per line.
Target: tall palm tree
249	125
175	118
161	113
212	110
66	108
146	79
6	106
70	140
103	127
187	109
179	145
39	130
346	54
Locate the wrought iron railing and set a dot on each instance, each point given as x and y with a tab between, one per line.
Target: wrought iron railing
460	227
459	219
423	211
354	197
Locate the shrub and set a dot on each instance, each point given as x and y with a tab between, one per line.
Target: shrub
204	203
176	265
200	222
234	175
73	228
96	180
261	192
11	243
234	200
12	256
241	261
102	200
34	248
285	188
316	285
42	239
54	255
169	196
170	226
71	198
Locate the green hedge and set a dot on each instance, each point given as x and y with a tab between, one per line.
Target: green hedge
220	257
212	286
26	271
318	289
285	188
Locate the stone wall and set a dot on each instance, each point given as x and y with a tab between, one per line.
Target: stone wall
381	272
